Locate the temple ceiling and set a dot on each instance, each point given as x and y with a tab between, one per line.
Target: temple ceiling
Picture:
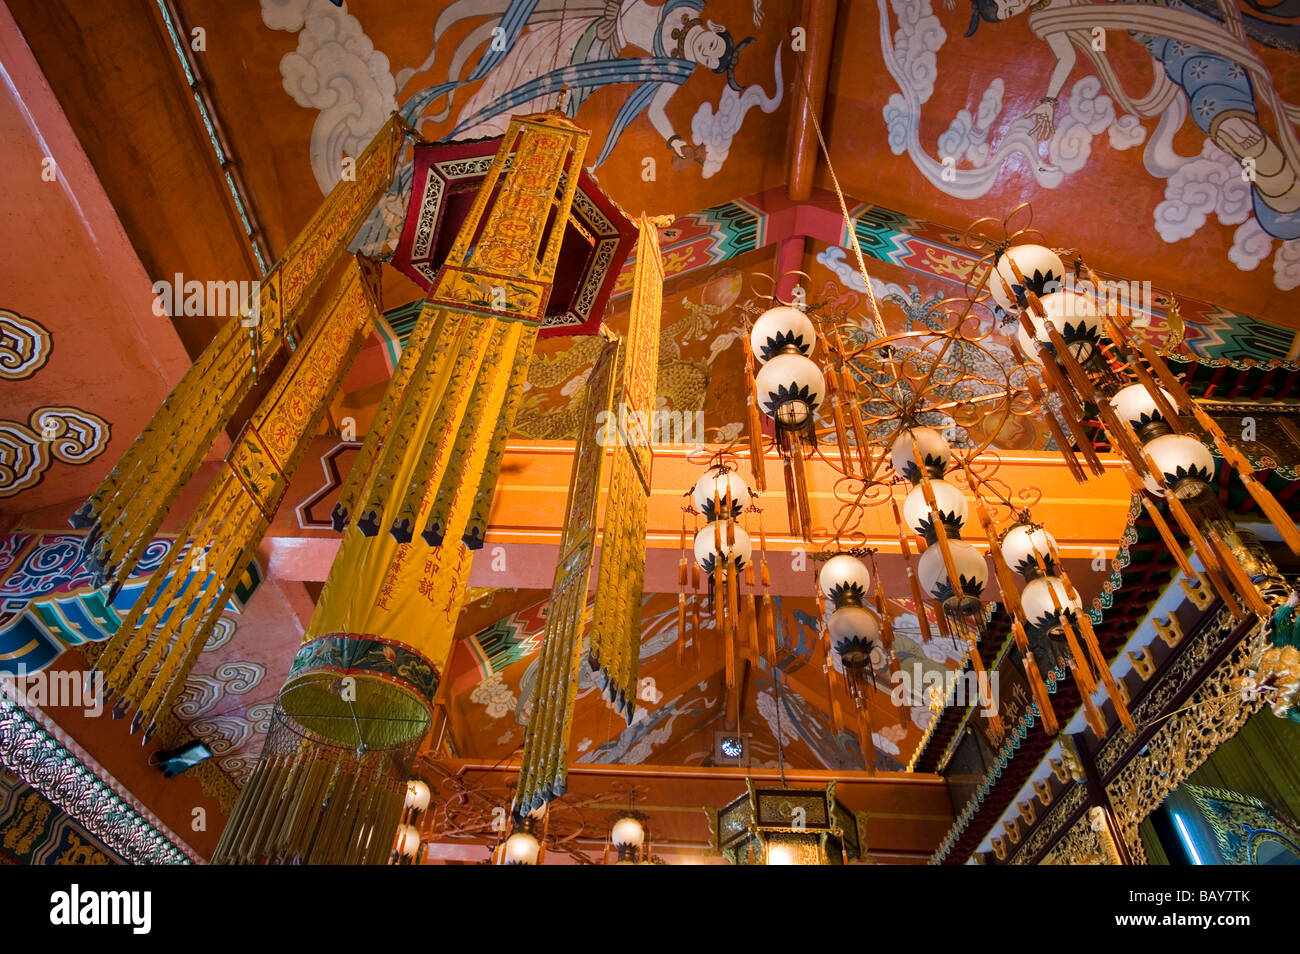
1135	164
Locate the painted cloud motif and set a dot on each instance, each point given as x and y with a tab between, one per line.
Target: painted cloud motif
336	70
1200	75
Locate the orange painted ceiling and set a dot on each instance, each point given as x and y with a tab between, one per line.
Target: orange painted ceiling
919	118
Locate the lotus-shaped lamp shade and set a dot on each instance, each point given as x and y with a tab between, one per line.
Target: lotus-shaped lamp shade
854	630
417	794
706	553
780	330
1136	405
971	567
1041	267
521	848
935	453
790	389
1185	463
1074	316
952	509
845	580
1020	544
723	485
1040	611
627	831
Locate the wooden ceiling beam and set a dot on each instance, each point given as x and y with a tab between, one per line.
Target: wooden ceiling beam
810	96
117	78
528	513
907	813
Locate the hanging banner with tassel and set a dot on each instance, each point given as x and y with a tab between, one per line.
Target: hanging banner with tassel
363	681
543	768
436	466
126	510
148	660
616	619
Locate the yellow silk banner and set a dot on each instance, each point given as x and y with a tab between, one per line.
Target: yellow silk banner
543	770
386	617
150	656
125	511
616	618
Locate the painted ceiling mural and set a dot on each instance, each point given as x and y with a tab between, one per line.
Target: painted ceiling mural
671	90
1158	138
1159	133
698	346
701	354
494	672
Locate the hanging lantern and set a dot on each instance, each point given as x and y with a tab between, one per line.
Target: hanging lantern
971	568
1074	316
417	795
1022	542
790	389
844	580
408	842
737	554
782	330
935	451
952	506
1186	464
385	620
1040	609
854	631
627	836
521	848
758	828
720	484
1136	405
1042	268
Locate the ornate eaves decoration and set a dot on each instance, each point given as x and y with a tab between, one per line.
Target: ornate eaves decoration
1215	713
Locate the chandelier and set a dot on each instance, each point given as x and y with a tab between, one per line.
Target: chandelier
914	415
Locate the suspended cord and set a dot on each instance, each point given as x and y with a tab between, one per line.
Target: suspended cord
876	318
555	60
